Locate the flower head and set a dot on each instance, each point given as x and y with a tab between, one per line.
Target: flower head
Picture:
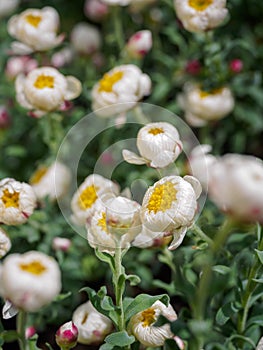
202	106
45	89
85	38
88	195
119	90
142	326
159	145
92	325
19	64
35	30
139	44
200	15
17	201
52	181
170	206
67	335
30	280
5	243
6	7
96	10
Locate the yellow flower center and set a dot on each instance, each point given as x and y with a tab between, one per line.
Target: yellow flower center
102	222
37	176
88	197
33	20
204	94
148	317
34	267
10	199
200	5
162	197
156	131
108	80
44	81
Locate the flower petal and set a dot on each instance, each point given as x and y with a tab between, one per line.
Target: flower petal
19	48
132	158
9	310
195	184
73	88
163	159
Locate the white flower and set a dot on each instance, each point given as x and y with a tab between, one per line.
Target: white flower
35	30
85	38
19	64
149	239
200	16
52	181
200	162
142	326
170	206
117	2
139	44
6	7
119	90
116	220
17	201
95	10
236	186
30	280
159	145
88	195
45	89
61	243
201	106
92	325
5	243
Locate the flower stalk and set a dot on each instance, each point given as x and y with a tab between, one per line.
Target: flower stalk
21	329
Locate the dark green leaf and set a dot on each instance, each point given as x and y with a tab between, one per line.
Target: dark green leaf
134	279
120	339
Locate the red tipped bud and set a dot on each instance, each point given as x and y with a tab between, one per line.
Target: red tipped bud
67	336
236	65
193	67
139	44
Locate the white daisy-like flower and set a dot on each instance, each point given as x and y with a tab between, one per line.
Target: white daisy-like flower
119	90
5	243
89	195
203	106
35	30
158	143
45	89
17	201
170	206
52	181
31	280
118	219
92	326
236	186
142	326
7	7
85	38
200	15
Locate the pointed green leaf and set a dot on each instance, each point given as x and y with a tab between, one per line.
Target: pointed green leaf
120	338
260	255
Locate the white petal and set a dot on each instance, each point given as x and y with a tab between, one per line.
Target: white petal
178	238
73	88
9	310
19	48
195	184
163	159
132	157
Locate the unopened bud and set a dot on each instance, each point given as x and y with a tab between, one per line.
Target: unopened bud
193	67
139	44
60	243
30	331
67	335
96	10
4	118
236	65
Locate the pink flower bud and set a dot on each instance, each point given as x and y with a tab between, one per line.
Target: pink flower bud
62	57
95	10
179	342
30	331
60	243
19	64
236	65
4	118
193	67
67	335
139	44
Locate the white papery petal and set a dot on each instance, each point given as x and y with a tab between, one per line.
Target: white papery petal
132	158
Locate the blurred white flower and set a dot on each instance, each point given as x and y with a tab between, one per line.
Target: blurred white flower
118	219
17	201
61	243
30	280
236	186
5	243
52	181
62	57
200	16
45	89
7	7
96	10
202	106
35	30
88	195
200	162
150	239
67	335
119	90
19	64
85	38
92	325
170	206
158	143
139	44
117	2
142	326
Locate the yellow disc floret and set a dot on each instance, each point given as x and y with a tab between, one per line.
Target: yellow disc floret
33	20
38	175
34	267
102	222
108	80
148	317
88	197
156	131
162	197
212	92
10	199
44	81
200	5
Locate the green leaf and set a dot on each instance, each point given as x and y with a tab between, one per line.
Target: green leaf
133	279
106	347
260	255
32	342
222	269
63	296
9	336
226	311
49	346
120	338
143	302
105	257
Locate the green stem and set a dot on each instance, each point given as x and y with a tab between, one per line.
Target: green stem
199	232
118	30
21	329
118	290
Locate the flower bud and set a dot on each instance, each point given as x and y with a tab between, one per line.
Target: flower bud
193	67
67	335
139	44
62	57
85	38
4	118
30	332
19	64
95	10
60	243
236	65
